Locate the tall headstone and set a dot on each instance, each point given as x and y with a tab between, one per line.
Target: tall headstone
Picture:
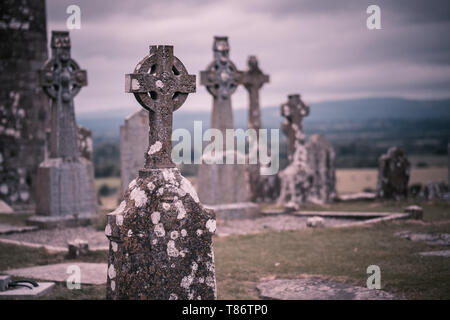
65	181
85	142
297	178
223	184
23	105
393	175
253	80
160	235
320	154
133	143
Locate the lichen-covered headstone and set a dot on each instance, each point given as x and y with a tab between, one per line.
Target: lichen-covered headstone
222	183
320	154
133	144
297	178
393	175
253	80
65	180
160	235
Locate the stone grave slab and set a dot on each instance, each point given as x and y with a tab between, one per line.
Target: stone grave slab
9	229
440	239
441	253
91	273
26	293
317	289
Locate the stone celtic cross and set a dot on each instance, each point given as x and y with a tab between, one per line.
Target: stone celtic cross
294	111
62	79
221	78
253	79
161	84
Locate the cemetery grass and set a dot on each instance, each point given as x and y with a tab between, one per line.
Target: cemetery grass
335	254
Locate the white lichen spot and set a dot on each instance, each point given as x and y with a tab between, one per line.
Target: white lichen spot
172	251
150	186
129	233
108	230
111	272
187	187
154	148
174	235
113	285
160	191
139	197
154	241
166	206
199	232
155	216
119	209
132	184
210	282
183	253
211	225
159	84
187	281
180	209
114	246
159	230
119	220
135	85
201	280
183	233
173	296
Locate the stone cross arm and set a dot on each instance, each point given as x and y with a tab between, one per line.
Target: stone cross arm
144	82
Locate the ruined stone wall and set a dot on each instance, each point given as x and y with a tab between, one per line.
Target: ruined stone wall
23	107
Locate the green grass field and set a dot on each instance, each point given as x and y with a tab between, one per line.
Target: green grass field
339	254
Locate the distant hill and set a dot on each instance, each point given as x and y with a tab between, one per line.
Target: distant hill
343	111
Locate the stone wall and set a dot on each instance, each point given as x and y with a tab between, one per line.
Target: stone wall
23	107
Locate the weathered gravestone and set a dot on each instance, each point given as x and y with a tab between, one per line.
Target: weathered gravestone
65	181
23	105
297	178
160	235
253	80
85	142
393	175
133	144
320	154
223	184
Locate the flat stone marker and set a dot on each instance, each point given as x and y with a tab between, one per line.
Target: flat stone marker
441	239
317	289
26	293
297	178
441	253
220	184
160	235
9	228
91	273
65	181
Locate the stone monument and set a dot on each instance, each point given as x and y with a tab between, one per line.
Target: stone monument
225	187
23	105
133	143
160	235
320	154
393	175
253	80
297	178
65	181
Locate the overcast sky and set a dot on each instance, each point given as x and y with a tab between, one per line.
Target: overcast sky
321	49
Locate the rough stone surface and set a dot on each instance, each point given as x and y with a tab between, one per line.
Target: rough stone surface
222	183
441	239
393	175
320	154
317	289
26	293
91	273
133	144
160	235
253	80
65	181
23	106
297	178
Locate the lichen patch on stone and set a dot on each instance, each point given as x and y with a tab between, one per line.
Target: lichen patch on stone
154	148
